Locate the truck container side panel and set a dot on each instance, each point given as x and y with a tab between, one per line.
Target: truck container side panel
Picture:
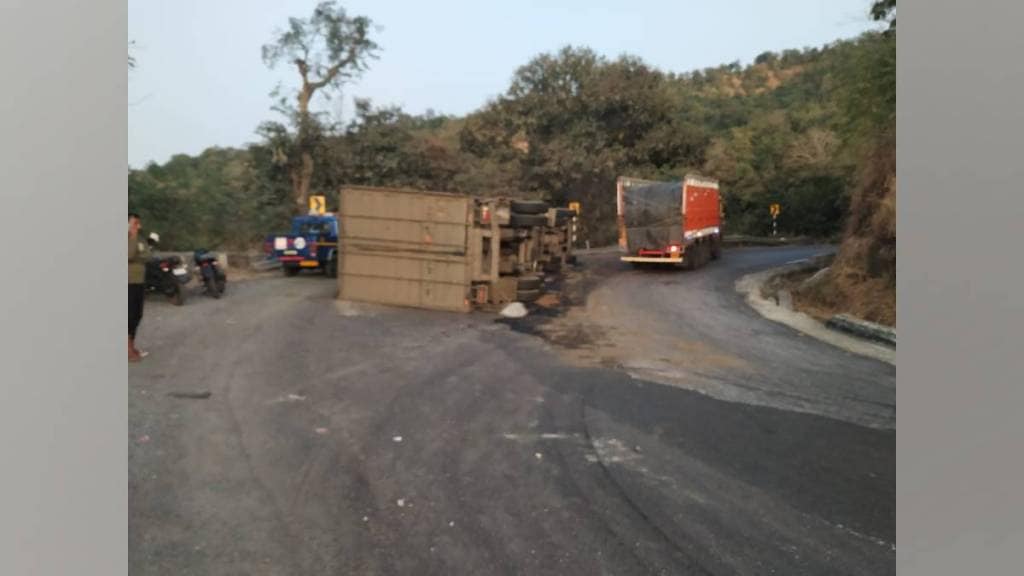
653	216
702	208
402	234
412	293
405	248
401	266
405	205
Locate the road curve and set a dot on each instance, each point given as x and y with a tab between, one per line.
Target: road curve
350	439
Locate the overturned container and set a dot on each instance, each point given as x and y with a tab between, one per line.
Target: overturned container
420	249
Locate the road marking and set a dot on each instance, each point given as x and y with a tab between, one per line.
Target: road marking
797	261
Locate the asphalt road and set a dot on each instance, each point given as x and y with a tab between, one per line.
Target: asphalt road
352	439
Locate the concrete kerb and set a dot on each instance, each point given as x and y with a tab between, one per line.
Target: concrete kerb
750	286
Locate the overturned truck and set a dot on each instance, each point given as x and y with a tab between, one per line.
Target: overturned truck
672	223
445	251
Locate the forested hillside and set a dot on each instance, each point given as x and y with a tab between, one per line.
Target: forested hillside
795	127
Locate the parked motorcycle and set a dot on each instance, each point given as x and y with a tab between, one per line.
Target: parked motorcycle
214	279
166	274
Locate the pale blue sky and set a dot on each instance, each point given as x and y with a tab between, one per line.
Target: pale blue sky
201	81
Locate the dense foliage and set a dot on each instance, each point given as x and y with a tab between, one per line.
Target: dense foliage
788	128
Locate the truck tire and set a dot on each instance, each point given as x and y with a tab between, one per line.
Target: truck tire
527	295
331	270
716	248
563	215
529	207
290	271
704	254
525	283
528	220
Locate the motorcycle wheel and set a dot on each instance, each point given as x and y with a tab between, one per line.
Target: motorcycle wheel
178	297
210	283
213	289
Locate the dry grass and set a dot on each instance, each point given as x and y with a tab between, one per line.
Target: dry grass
862	279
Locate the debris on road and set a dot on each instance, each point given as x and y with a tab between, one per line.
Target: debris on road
514	310
396	439
203	395
400	502
538	455
321	431
143	439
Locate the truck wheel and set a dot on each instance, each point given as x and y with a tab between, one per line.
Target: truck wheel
563	215
527	295
290	271
716	249
699	255
691	258
526	283
332	267
529	207
528	220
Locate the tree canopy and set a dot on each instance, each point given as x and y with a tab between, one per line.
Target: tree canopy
791	128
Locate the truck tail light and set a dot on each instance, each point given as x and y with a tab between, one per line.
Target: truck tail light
673	248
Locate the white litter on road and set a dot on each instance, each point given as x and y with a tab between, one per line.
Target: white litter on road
538	455
396	439
321	431
514	310
400	502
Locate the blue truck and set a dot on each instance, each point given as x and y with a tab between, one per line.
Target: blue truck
312	244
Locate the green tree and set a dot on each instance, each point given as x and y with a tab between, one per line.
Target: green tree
327	49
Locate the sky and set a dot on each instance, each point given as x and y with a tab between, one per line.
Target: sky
200	80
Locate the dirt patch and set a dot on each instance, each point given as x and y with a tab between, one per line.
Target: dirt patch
590	327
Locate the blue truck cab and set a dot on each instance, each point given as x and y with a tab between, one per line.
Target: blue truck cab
311	244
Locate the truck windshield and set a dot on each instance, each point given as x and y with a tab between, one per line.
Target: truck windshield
312	228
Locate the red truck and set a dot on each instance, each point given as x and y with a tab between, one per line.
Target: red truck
676	223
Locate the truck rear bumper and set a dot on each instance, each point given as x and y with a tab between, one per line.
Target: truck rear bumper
654	259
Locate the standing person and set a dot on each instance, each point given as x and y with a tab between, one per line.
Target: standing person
137	255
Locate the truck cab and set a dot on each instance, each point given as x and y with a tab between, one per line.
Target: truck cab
312	243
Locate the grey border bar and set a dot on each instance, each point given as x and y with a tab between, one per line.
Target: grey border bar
63	376
960	471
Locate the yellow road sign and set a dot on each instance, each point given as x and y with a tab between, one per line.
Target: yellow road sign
575	207
317	204
775	210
